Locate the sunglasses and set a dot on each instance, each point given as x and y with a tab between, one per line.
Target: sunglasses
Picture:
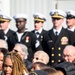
15	50
37	58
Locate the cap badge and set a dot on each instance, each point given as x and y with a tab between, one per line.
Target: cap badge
36	16
68	13
56	13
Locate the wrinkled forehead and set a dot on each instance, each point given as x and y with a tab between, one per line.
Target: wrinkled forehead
66	52
18	48
36	55
39	53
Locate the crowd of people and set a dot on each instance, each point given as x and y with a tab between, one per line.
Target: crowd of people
38	52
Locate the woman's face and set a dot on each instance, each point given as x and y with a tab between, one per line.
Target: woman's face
1	60
8	66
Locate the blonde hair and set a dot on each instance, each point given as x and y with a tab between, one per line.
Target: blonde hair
18	65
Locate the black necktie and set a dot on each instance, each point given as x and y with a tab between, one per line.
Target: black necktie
56	35
37	34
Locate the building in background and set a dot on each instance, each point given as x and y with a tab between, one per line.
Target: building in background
29	7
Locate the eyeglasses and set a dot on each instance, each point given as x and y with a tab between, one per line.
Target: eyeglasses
20	52
15	50
37	58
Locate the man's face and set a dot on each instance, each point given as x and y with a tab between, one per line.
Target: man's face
38	25
4	25
20	23
1	60
68	56
19	51
70	22
35	67
57	22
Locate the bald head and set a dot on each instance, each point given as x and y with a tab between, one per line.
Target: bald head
69	53
69	48
41	56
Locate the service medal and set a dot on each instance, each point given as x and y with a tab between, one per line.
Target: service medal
27	39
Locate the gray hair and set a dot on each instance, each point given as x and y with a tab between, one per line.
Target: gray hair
24	49
3	44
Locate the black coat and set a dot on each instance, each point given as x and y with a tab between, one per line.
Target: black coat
66	67
57	46
43	38
2	34
72	37
9	33
28	64
27	39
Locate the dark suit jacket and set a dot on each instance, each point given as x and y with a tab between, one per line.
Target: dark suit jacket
28	64
72	37
9	33
2	34
57	46
27	39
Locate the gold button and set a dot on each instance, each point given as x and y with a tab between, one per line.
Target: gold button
52	61
52	54
52	48
59	48
58	60
59	54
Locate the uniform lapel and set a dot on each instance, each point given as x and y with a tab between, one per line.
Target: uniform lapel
24	35
16	37
60	36
52	35
41	35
